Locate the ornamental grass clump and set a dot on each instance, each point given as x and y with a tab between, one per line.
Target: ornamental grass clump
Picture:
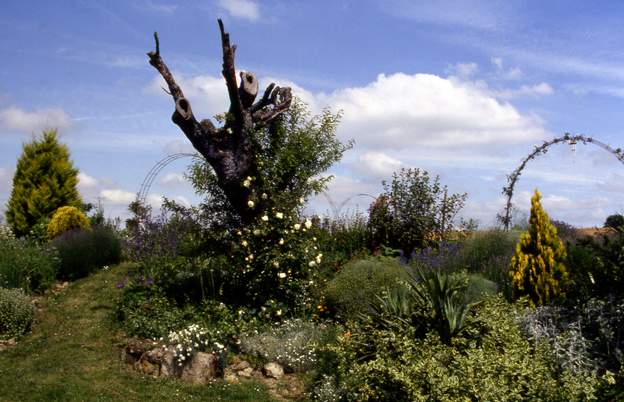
537	268
16	313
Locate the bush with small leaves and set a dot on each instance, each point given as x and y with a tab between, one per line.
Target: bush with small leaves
292	344
16	313
26	264
67	218
356	285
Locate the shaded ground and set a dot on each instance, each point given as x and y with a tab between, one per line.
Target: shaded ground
73	355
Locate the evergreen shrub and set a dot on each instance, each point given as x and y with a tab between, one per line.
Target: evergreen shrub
16	313
67	218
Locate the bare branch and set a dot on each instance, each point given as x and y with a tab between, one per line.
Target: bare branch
229	73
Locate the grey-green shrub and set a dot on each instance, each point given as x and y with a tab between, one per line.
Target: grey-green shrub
353	289
25	264
16	313
292	344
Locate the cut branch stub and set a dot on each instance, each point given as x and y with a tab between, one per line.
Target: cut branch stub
228	149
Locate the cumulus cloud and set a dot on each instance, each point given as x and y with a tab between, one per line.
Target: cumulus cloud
379	164
245	9
86	181
400	110
33	122
173	179
537	90
118	196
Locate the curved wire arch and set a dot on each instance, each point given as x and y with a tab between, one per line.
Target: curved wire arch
156	169
337	208
508	190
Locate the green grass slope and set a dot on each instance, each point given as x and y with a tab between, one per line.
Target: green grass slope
73	355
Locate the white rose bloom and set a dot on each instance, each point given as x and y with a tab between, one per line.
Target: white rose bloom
312	263
308	223
279	215
281	275
281	242
265	218
297	226
251	204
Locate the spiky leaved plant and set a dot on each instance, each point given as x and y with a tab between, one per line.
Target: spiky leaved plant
537	268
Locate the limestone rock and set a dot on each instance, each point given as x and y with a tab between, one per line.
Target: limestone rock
273	370
202	368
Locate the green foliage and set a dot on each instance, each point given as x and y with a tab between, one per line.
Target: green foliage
342	238
488	253
84	251
44	181
537	267
614	221
67	218
271	262
25	263
596	266
16	313
414	211
491	361
353	289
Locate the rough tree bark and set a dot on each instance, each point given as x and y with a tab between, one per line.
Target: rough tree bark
228	149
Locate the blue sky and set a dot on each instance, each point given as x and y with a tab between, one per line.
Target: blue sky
463	89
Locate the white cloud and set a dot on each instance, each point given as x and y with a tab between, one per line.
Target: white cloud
400	111
379	164
173	179
118	196
513	73
541	89
33	122
86	181
246	9
6	179
464	69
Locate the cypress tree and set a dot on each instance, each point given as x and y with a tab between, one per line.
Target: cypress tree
44	180
537	268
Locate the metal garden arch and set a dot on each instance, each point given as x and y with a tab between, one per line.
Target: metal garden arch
508	190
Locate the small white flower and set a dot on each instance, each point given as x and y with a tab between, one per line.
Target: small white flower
246	183
308	223
265	218
297	226
281	242
279	312
256	232
281	275
264	196
276	264
301	200
229	130
279	215
312	263
251	204
244	243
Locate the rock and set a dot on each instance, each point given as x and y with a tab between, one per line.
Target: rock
167	365
148	367
229	376
241	365
202	368
247	372
273	370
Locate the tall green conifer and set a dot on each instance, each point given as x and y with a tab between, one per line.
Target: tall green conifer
537	268
44	180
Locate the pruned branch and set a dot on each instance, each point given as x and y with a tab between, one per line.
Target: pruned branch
228	149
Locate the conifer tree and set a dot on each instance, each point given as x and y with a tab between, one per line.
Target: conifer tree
537	267
44	180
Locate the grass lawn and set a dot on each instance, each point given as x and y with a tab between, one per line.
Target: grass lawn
73	355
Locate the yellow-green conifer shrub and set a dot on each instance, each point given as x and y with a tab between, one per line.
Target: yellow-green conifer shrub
537	269
66	218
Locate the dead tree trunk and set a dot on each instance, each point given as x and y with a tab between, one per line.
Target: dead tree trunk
228	149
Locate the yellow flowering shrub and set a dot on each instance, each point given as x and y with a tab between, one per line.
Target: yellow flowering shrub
537	268
67	218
